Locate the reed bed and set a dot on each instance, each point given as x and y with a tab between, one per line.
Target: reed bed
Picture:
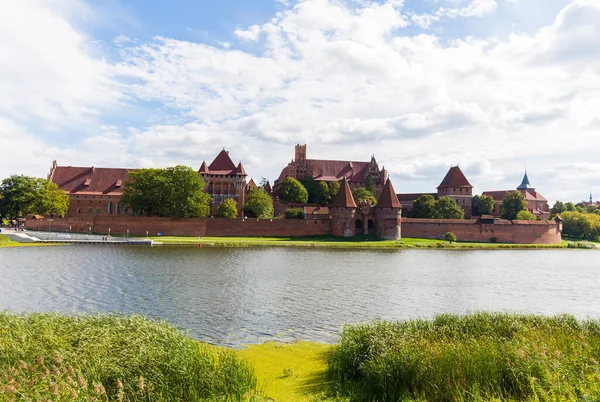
481	356
113	358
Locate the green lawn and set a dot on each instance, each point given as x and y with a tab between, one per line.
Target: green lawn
329	241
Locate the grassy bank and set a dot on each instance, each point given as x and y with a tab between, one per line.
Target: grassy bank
470	358
329	241
117	358
5	241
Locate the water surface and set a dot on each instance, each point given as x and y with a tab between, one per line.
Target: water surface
239	296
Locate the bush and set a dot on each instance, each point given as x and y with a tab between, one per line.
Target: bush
294	213
53	357
474	357
494	239
228	209
451	237
526	216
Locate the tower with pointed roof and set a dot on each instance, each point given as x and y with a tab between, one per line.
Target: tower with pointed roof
343	211
388	214
525	185
224	180
456	186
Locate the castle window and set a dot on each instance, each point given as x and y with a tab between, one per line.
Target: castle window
89	210
87	182
98	211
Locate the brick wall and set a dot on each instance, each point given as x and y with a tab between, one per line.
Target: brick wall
519	232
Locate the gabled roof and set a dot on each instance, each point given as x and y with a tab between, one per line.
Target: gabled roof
525	185
455	178
101	181
330	170
497	195
413	196
203	168
240	169
252	184
388	197
344	198
222	163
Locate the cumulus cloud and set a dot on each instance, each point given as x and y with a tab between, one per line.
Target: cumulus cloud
348	78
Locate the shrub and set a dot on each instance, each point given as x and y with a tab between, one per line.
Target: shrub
526	216
228	209
494	239
53	357
294	213
451	237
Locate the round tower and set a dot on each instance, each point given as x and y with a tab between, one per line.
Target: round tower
388	214
343	211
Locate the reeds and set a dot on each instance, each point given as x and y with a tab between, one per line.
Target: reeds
470	358
116	358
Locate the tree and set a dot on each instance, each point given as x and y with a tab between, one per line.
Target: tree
512	203
51	200
450	237
259	204
447	208
334	188
558	208
569	206
581	226
322	194
294	213
423	207
172	192
228	209
311	187
361	195
484	204
526	216
22	195
291	190
370	184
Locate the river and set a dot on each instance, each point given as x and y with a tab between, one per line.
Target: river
239	296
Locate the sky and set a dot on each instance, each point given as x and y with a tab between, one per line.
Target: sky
489	85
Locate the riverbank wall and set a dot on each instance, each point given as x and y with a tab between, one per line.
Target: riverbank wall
501	231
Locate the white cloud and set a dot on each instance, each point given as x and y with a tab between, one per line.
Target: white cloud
477	8
350	81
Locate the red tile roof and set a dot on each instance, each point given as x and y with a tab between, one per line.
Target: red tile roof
222	164
331	170
252	184
413	196
101	180
455	178
388	197
240	170
344	198
203	168
497	195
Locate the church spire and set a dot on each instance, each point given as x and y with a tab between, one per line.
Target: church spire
525	185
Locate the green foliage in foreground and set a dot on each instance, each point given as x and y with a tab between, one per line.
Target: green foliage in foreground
120	358
228	209
474	357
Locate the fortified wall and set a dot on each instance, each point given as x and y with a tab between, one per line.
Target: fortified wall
519	232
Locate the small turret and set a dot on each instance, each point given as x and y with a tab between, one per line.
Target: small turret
343	211
388	212
203	168
525	185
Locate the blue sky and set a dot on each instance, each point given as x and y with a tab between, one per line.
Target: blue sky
423	85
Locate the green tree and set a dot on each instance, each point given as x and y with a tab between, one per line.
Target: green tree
334	188
22	195
370	184
558	208
581	226
484	204
259	204
311	187
447	208
51	200
569	206
361	195
294	213
423	207
172	192
291	190
450	237
322	194
526	216
228	209
512	203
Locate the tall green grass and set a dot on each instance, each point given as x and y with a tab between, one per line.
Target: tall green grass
469	358
116	358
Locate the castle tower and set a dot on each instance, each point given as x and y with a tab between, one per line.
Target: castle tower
456	186
343	211
300	154
525	185
388	214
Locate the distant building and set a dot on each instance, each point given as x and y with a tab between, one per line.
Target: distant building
537	204
91	190
355	172
454	185
225	180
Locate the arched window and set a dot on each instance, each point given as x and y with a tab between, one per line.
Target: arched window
110	208
118	209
